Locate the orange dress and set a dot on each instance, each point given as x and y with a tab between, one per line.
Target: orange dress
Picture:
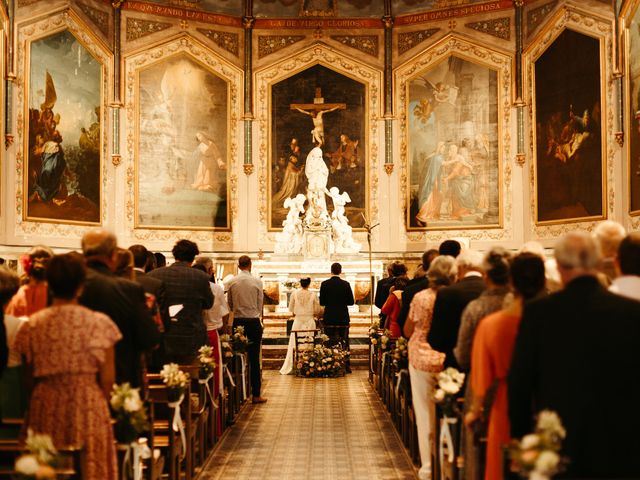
490	361
29	299
66	346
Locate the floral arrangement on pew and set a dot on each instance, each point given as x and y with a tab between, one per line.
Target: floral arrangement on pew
450	382
128	412
207	362
374	332
227	349
239	340
322	362
537	455
400	354
41	460
176	381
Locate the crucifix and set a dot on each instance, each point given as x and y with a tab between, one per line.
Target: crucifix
315	110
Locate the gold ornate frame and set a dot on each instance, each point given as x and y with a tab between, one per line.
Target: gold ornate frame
134	63
501	62
600	28
318	54
27	34
628	12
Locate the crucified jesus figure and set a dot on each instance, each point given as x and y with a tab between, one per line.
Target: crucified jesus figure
318	125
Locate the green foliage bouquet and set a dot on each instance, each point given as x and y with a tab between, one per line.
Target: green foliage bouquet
129	413
537	455
400	354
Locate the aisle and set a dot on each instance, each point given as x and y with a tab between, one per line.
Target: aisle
312	429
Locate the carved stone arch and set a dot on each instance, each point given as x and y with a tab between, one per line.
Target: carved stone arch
489	57
570	17
152	55
27	33
317	54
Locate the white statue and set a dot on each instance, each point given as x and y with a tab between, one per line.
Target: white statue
289	241
317	175
342	231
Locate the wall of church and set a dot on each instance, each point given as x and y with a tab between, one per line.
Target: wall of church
185	123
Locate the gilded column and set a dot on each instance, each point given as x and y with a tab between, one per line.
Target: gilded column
248	22
519	80
618	74
387	21
11	74
117	103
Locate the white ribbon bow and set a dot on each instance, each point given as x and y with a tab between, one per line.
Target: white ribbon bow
243	362
140	451
177	424
205	382
447	440
228	372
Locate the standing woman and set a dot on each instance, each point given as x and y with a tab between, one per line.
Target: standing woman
33	295
424	361
69	355
393	305
304	305
491	358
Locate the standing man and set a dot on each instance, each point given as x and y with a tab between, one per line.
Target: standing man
122	300
567	344
245	298
187	295
152	286
336	296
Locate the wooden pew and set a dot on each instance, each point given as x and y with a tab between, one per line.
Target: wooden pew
200	415
73	460
162	435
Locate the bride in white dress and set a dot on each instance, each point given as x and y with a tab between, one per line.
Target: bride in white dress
304	305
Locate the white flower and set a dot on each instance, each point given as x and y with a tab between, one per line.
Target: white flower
27	465
547	462
439	395
132	404
549	421
530	441
450	387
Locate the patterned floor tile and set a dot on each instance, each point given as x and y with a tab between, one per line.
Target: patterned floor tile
312	429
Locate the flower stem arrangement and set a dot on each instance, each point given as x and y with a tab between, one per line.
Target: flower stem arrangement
39	463
322	361
129	413
400	354
450	382
374	332
537	455
207	363
175	380
227	349
239	340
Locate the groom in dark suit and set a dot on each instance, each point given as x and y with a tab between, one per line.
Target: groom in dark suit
335	297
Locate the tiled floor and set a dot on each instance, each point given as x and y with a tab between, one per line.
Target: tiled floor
312	429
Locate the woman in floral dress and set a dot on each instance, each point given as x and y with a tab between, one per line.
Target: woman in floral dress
69	351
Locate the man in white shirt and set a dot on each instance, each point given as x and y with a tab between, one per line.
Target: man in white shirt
245	297
628	265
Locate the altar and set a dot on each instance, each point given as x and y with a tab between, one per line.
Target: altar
285	274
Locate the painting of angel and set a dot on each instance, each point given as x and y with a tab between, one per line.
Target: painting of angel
182	152
453	147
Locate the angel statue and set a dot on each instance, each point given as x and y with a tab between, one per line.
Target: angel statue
342	231
289	241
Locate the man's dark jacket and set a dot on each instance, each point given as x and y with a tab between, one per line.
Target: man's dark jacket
335	297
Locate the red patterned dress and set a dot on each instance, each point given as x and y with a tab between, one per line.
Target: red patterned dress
66	345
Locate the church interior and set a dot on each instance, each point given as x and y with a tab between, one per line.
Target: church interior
303	133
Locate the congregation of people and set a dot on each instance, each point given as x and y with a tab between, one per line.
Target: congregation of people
78	323
530	333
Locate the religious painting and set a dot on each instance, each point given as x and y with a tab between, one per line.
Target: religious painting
453	146
318	8
182	151
64	139
318	107
633	79
569	171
